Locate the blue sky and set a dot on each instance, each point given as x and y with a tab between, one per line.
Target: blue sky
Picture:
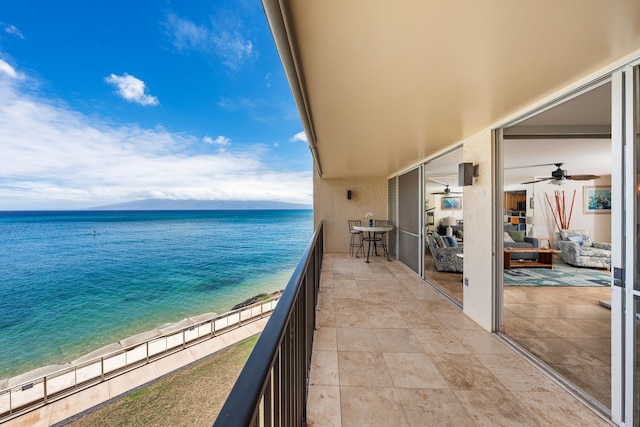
105	102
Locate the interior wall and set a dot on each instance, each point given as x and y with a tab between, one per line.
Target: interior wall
478	237
330	204
599	225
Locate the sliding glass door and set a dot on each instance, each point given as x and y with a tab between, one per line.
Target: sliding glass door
410	213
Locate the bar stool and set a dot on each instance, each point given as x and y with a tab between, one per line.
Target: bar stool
380	237
356	237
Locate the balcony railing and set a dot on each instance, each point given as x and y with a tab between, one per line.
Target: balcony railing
272	388
26	396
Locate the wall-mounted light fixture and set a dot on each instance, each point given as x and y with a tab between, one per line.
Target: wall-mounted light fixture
348	194
466	173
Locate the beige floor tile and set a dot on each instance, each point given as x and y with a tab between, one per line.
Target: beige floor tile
325	339
323	407
595	380
386	318
496	408
440	341
558	351
352	319
559	409
516	373
396	336
398	341
465	372
424	407
570	328
523	328
371	406
457	321
414	370
420	319
324	368
359	368
357	339
597	347
481	343
325	319
345	289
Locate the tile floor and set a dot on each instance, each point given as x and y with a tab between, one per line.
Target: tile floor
565	327
390	351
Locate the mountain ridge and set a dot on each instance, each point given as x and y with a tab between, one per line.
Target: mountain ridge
167	204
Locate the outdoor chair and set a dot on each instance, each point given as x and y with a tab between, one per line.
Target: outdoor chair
356	238
380	237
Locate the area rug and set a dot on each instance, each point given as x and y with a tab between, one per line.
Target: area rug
561	275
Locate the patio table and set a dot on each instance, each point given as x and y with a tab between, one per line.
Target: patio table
370	238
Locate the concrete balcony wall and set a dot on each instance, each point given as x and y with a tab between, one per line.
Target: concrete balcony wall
330	204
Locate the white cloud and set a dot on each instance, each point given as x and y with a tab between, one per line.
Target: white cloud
52	157
11	29
219	140
224	38
186	34
267	79
8	70
132	89
275	144
300	136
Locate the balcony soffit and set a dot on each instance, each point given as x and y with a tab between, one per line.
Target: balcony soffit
389	84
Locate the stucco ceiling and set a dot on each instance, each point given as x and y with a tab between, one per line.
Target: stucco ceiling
382	85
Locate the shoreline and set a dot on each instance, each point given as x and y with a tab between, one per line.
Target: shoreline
164	329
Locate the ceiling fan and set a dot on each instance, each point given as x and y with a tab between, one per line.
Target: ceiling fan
560	176
447	191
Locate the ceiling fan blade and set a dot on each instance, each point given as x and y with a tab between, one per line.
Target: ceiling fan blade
538	180
582	177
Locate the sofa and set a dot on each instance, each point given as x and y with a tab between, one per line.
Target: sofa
445	255
516	239
578	249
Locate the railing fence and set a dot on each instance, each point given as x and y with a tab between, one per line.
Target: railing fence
272	388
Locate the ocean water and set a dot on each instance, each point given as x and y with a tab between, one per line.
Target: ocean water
71	282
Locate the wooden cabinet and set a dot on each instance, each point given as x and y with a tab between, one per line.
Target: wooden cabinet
515	209
515	201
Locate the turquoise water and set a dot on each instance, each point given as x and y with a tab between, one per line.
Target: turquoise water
71	282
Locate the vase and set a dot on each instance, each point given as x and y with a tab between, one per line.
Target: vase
370	223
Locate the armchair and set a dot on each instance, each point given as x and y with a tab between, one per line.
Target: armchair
445	258
579	250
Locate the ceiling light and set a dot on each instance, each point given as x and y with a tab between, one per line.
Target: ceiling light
560	181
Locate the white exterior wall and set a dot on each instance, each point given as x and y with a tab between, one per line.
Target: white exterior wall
478	237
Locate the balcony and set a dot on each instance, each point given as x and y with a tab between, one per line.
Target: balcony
384	348
389	350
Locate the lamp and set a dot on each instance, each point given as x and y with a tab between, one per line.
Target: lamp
531	220
449	222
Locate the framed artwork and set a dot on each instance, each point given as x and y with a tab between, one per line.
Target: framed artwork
451	203
596	199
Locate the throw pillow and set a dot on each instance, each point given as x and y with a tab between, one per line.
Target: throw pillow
460	234
576	239
507	237
517	235
584	234
450	241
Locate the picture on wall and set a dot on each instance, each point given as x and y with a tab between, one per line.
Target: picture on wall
596	199
451	203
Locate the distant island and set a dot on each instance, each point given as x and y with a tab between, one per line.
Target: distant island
169	205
